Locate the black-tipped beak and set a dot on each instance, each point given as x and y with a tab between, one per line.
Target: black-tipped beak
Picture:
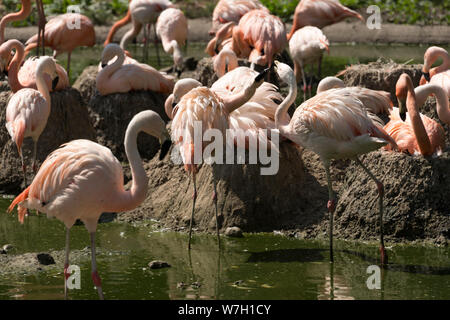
164	149
55	83
104	65
427	76
5	72
178	71
216	48
174	105
261	76
403	116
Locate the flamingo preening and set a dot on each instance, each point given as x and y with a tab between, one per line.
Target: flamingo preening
335	125
25	77
82	179
439	75
28	110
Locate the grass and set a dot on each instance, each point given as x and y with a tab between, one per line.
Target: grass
423	12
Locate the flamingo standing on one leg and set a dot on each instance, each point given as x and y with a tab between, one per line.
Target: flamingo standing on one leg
28	110
119	77
172	28
203	105
82	179
116	26
232	11
26	76
63	34
334	125
22	15
307	46
144	13
439	75
320	13
414	132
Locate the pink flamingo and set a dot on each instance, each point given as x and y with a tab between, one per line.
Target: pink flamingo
144	13
22	15
307	46
26	76
82	179
223	39
172	28
232	11
320	13
414	132
334	125
116	26
28	110
204	105
63	34
118	77
439	75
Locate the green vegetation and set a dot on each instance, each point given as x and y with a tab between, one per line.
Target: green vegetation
424	12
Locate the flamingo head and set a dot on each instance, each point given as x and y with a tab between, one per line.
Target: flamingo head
284	72
182	87
48	65
403	86
111	51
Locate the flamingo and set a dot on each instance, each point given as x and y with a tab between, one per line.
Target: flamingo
22	15
258	37
307	46
116	26
320	13
28	110
439	75
204	105
26	76
232	11
334	125
415	133
82	179
63	35
223	39
172	28
144	13
118	77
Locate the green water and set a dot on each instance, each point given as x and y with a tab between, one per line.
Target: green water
258	266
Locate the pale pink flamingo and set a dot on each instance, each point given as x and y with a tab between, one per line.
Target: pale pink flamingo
83	179
118	77
22	15
231	11
307	46
172	28
63	34
28	110
25	77
201	104
116	26
223	39
258	37
333	124
320	13
439	75
414	132
144	13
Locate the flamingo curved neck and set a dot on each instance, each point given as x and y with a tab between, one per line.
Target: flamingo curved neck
41	84
423	141
233	102
110	69
284	107
16	16
442	106
14	65
130	199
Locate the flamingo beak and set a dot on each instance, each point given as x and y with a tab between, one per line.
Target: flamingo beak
174	105
55	82
165	146
261	76
427	76
104	65
402	109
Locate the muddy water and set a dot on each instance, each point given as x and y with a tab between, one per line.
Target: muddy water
258	266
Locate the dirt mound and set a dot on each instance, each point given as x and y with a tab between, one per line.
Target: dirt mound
69	119
85	83
380	75
111	115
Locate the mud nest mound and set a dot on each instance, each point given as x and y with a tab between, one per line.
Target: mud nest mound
85	83
112	113
68	120
380	75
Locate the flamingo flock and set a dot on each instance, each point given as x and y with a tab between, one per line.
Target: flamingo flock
82	179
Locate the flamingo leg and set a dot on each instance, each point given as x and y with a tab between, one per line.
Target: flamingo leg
42	23
95	277
194	197
215	204
319	68
331	206
66	264
304	80
34	156
68	63
24	169
156	46
146	27
380	187
310	82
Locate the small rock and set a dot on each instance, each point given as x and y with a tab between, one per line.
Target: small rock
45	259
234	232
157	264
